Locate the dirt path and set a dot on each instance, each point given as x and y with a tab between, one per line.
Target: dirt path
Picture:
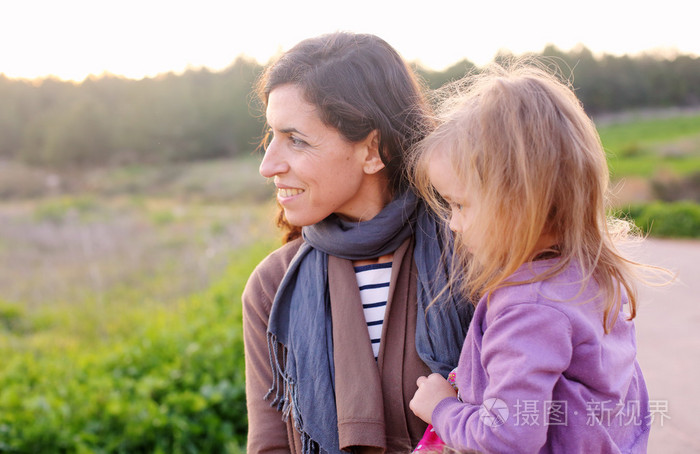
668	332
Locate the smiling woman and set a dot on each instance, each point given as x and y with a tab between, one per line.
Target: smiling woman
336	323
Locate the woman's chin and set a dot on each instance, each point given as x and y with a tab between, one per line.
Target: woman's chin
300	219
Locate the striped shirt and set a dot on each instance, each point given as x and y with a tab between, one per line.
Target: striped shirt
373	281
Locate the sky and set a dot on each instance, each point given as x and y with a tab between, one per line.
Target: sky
72	39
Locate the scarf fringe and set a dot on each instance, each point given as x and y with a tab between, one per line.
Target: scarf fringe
286	398
273	357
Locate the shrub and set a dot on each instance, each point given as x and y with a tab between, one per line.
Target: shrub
11	316
174	384
678	219
677	188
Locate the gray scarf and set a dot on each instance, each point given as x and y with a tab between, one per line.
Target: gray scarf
300	318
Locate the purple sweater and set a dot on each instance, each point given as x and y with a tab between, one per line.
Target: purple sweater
537	373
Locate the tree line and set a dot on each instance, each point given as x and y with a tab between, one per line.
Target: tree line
202	114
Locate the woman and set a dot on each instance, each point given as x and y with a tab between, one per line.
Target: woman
331	357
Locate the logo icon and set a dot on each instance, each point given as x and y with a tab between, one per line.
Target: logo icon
493	412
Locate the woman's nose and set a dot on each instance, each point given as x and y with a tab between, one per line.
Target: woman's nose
273	162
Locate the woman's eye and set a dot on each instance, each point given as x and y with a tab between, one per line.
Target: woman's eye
457	206
297	142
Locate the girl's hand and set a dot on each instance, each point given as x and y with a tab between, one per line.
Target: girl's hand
431	390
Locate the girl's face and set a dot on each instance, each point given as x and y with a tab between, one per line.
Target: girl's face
456	194
316	170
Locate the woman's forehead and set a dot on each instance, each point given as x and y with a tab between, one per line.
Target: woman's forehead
287	108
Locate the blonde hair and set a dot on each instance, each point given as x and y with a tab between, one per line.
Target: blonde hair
519	138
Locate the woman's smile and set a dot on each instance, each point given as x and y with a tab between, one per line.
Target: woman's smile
287	193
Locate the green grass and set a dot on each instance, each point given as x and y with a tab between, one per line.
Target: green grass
120	314
155	378
648	166
618	135
646	147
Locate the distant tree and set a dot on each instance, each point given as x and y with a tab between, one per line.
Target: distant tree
202	114
436	79
11	116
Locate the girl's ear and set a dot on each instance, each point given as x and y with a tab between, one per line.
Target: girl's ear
372	160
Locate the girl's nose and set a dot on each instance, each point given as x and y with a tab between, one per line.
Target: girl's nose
273	162
453	224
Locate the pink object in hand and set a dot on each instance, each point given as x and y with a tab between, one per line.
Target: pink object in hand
430	441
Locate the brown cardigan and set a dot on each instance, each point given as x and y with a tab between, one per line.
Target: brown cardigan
372	397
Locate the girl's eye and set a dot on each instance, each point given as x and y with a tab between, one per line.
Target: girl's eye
457	206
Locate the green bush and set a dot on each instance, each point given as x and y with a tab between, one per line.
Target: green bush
11	316
675	220
175	384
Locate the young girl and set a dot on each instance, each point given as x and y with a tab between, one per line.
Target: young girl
548	364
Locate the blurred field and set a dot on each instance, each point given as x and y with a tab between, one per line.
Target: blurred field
653	155
120	306
129	234
120	293
161	231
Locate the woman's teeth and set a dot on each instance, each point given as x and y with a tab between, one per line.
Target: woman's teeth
283	192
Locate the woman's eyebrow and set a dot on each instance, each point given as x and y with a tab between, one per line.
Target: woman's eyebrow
292	130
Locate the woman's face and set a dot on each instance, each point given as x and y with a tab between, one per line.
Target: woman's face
316	170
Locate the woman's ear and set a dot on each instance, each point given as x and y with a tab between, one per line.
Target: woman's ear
373	160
